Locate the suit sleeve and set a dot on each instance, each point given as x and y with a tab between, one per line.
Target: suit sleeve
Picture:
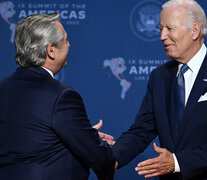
193	162
139	135
71	123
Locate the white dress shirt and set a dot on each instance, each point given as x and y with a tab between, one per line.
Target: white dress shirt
190	75
50	72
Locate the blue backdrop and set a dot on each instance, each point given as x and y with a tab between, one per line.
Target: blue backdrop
114	47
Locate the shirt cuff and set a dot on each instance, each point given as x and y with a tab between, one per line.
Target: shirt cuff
177	167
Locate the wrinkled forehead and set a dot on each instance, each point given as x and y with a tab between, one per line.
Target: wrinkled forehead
175	15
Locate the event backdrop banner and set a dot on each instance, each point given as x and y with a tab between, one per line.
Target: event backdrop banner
114	47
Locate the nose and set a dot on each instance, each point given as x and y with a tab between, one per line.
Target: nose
163	34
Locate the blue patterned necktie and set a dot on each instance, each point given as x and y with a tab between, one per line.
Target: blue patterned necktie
179	97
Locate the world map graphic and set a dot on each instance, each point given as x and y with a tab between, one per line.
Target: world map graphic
117	67
7	11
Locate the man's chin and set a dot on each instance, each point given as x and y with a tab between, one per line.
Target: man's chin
169	54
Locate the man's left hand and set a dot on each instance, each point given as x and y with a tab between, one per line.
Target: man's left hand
160	165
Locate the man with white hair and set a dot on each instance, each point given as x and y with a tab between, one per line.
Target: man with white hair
174	107
45	133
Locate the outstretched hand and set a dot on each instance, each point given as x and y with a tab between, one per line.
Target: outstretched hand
160	165
105	137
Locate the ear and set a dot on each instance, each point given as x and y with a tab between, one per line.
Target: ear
196	30
51	51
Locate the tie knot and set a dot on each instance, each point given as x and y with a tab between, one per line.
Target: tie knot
184	68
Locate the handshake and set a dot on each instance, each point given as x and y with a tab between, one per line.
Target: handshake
160	165
105	137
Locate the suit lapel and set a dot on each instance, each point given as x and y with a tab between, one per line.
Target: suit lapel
198	89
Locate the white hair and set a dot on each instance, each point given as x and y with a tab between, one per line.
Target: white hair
194	12
33	35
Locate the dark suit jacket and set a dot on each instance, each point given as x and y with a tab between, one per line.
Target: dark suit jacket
155	117
45	133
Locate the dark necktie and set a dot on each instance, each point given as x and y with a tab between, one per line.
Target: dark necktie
179	97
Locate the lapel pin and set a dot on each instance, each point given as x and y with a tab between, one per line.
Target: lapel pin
205	80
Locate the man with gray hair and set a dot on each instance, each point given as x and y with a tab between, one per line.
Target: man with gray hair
45	133
174	107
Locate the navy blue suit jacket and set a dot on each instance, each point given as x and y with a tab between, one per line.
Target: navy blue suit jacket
45	133
155	117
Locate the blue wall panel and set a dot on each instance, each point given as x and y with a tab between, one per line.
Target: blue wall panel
114	47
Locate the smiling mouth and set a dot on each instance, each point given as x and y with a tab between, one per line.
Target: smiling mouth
167	46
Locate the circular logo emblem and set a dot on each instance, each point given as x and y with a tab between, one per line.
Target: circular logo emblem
144	20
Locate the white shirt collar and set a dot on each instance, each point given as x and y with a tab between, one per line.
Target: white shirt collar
196	61
50	72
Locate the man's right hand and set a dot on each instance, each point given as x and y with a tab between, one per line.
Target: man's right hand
105	137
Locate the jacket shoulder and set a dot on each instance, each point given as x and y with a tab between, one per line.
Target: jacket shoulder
164	70
166	67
